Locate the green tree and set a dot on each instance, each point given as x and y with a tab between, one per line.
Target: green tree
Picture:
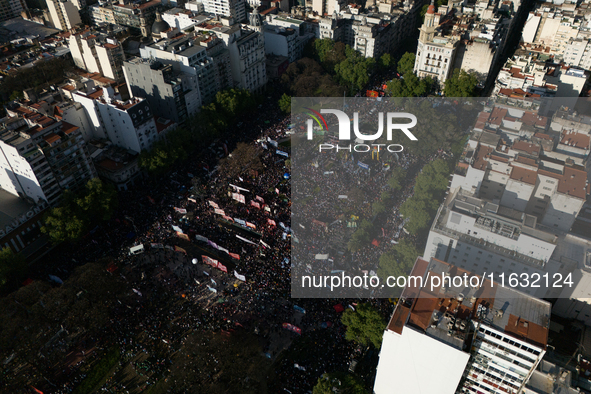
395	180
339	383
378	207
398	261
364	325
94	204
386	61
355	70
285	103
461	84
10	264
98	201
406	64
410	86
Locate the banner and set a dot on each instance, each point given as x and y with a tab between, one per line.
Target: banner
245	240
213	204
240	221
239	197
212	244
180	210
321	256
282	153
212	289
252	226
179	249
183	236
363	165
235	256
239	188
260	199
271	222
223	250
229	219
255	204
240	277
201	238
219	212
222	267
264	244
192	200
293	328
177	229
209	261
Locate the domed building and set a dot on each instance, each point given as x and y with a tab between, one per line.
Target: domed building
159	27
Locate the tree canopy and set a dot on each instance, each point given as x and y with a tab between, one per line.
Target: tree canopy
398	261
339	383
364	325
406	64
78	212
10	264
461	84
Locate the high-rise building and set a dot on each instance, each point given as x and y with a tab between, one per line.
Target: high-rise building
127	124
11	9
435	52
64	14
42	156
138	15
186	55
234	9
172	94
483	339
97	53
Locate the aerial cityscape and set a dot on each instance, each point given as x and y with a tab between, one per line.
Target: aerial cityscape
194	197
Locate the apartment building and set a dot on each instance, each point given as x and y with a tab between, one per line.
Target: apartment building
436	51
42	156
172	94
97	53
127	124
185	54
11	9
64	14
137	15
487	339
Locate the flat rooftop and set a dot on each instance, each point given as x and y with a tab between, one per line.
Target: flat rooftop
445	313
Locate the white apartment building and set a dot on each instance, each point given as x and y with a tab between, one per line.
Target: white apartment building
127	124
578	53
42	156
471	340
247	52
285	37
97	53
234	9
64	14
435	52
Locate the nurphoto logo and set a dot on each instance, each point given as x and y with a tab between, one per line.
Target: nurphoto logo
345	129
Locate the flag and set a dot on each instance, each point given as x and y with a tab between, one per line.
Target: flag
179	249
183	236
180	210
213	204
245	240
209	261
201	238
229	219
240	277
212	289
255	204
177	229
260	199
239	197
223	249
234	255
276	190
248	224
271	222
222	267
219	212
